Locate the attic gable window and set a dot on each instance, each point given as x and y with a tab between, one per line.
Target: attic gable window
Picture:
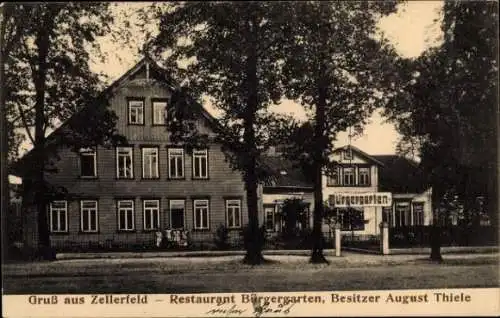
136	111
88	163
348	154
159	112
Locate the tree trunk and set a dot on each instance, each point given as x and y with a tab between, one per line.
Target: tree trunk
319	140
436	226
254	248
4	148
42	44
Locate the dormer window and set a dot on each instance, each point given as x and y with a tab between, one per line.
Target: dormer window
136	112
159	112
88	163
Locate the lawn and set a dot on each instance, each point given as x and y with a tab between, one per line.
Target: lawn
227	274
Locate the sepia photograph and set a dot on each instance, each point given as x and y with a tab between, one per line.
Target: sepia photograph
249	159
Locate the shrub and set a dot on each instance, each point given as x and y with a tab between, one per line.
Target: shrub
221	237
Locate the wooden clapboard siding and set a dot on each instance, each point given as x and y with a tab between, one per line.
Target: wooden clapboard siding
106	189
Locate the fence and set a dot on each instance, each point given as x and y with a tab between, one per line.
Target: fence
420	236
301	241
185	241
361	241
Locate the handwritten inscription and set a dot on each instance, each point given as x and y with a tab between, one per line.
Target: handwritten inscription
268	308
225	310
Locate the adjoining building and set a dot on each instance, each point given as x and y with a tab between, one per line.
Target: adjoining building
375	188
378	189
287	182
127	194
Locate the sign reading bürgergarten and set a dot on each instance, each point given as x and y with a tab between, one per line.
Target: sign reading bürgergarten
362	199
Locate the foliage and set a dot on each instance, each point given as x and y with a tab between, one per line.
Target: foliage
335	60
445	87
221	237
448	106
336	68
71	31
230	52
49	45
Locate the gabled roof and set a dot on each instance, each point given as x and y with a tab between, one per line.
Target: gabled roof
400	175
155	70
360	153
284	174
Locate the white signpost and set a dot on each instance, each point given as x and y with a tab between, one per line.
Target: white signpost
364	199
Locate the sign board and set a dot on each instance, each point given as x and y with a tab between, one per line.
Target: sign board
362	199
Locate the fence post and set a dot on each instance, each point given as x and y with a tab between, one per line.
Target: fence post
384	240
337	239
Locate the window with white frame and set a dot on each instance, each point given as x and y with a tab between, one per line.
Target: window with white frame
332	179
88	163
200	164
88	216
233	213
136	112
201	214
124	163
150	163
177	210
151	214
126	215
402	214
58	216
175	163
159	112
364	176
418	213
348	176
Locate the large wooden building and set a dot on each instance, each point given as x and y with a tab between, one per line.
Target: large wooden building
129	193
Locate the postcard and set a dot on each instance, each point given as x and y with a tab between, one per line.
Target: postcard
249	159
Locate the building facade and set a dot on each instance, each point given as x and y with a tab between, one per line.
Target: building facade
376	189
128	193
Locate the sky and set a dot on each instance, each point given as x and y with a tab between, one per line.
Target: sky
411	30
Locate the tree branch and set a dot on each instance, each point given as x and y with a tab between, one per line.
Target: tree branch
15	119
25	124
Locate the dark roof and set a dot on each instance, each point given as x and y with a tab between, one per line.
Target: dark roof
399	175
284	174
